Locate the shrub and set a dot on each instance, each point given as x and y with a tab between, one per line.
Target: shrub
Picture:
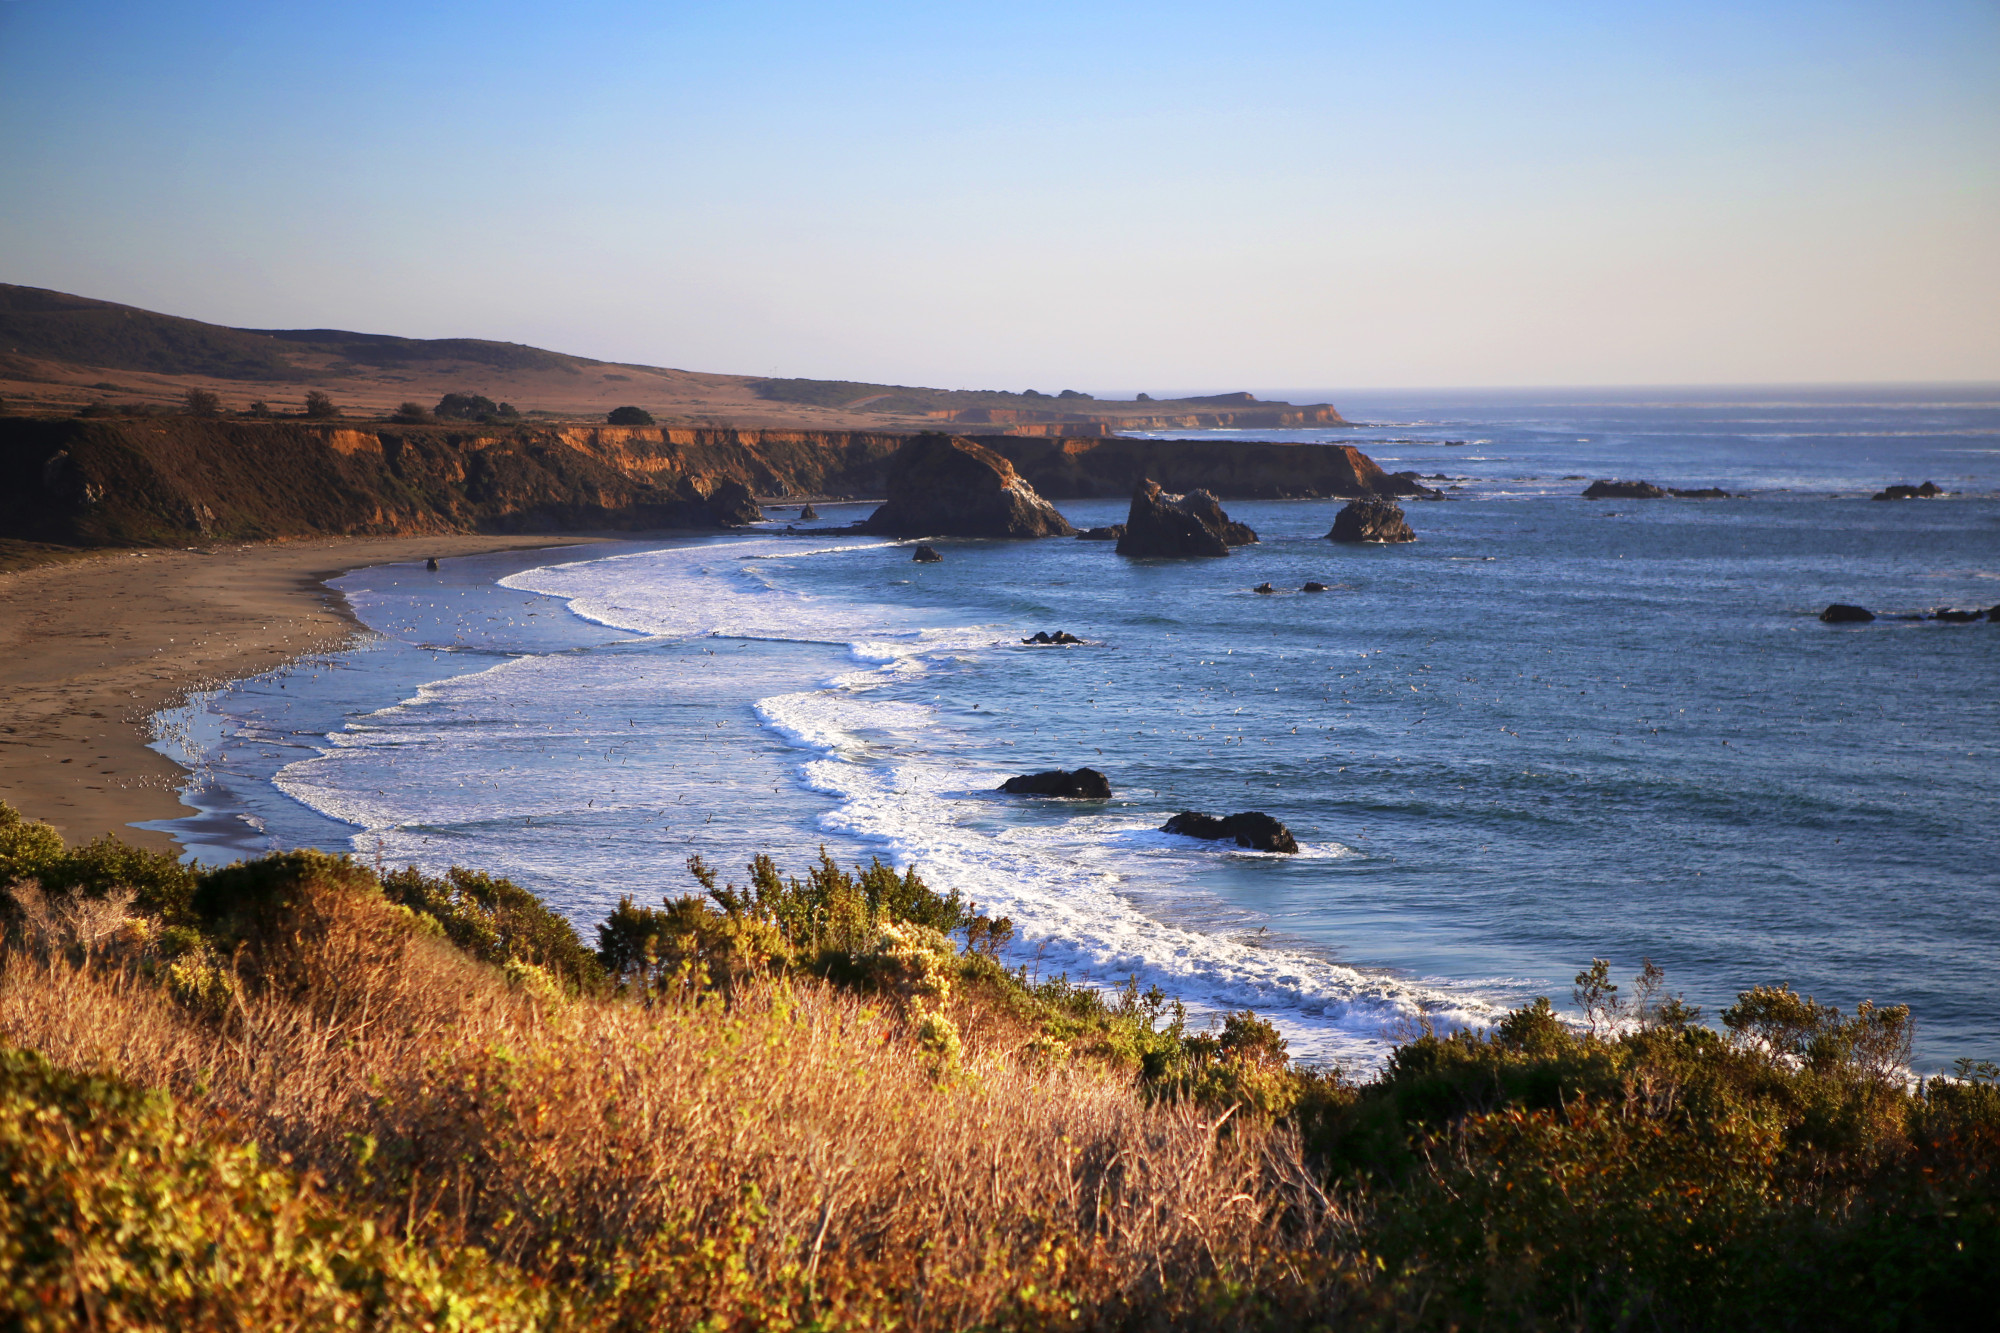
320	407
31	851
260	408
201	403
465	407
629	416
411	414
497	921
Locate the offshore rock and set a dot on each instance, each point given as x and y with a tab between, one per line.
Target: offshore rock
1253	829
1313	587
948	486
1371	521
1105	534
1086	784
1955	616
1841	613
1173	525
1701	493
1624	490
925	555
1060	636
1928	491
808	514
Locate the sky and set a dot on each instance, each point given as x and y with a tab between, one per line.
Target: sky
1100	196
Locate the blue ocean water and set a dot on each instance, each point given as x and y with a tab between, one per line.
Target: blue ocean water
1549	730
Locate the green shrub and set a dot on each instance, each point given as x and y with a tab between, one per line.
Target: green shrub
629	416
497	921
30	850
320	407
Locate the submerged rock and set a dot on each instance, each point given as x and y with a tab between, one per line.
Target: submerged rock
1624	490
1060	636
1841	613
1952	615
1179	525
1253	829
1264	588
926	555
1105	534
949	486
1371	521
1703	493
1086	784
1928	491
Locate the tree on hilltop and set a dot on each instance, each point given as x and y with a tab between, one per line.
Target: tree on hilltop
319	406
411	414
201	403
629	416
465	407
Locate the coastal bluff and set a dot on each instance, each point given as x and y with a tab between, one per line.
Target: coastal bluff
172	480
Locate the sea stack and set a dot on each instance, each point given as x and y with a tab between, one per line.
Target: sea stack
949	486
1179	525
1085	784
1371	521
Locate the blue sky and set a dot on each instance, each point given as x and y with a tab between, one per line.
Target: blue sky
1102	196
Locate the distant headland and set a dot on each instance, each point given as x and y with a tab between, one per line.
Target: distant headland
64	353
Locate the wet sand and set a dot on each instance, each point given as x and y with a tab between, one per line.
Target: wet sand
91	648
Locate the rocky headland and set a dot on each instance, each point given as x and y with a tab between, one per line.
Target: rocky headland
173	480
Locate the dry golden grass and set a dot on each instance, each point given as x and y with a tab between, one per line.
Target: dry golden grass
790	1155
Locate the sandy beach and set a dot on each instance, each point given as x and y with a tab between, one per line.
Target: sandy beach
91	648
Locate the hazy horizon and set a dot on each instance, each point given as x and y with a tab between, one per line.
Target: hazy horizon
1055	196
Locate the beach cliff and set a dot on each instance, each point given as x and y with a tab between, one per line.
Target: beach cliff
157	480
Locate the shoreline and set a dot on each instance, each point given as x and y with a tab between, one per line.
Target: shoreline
92	647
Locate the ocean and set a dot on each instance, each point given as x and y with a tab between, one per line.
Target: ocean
1550	730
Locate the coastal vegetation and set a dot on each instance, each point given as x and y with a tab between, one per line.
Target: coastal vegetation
291	1091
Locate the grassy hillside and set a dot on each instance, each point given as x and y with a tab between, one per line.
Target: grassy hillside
291	1092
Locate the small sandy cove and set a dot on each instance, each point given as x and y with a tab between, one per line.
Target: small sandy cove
91	648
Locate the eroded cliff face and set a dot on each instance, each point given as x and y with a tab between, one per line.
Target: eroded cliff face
170	480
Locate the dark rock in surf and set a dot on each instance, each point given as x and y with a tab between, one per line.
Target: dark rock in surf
1179	525
1264	588
1060	636
1841	613
1928	491
1701	493
431	564
1954	616
1086	784
925	555
949	486
808	515
1313	587
1624	490
1253	829
1371	521
1105	534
